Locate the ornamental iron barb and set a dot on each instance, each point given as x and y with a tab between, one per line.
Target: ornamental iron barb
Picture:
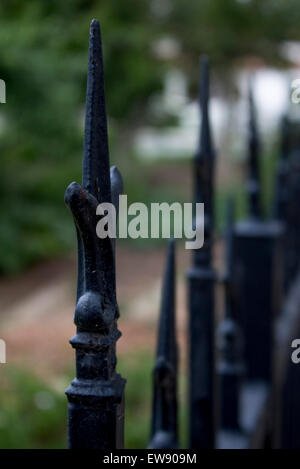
253	185
253	301
201	279
96	403
164	409
258	272
204	162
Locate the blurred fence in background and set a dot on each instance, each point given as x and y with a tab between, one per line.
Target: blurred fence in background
242	388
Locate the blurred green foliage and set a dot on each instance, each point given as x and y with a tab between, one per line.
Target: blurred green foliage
43	60
137	369
33	414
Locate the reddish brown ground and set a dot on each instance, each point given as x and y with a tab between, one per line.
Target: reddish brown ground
37	308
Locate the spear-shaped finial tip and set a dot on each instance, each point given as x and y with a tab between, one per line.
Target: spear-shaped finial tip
252	117
205	147
164	410
95	35
253	132
94	23
204	166
95	156
204	87
253	179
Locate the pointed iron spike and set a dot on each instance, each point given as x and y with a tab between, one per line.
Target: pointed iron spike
253	161
164	410
96	416
201	278
95	176
204	165
253	134
205	150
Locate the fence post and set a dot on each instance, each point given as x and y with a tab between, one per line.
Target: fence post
258	259
96	394
201	281
230	364
286	401
164	408
292	211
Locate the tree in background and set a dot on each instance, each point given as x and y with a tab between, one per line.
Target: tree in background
43	60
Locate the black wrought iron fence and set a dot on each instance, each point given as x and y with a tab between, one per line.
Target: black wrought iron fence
240	371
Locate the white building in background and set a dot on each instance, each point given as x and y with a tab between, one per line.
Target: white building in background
181	140
271	90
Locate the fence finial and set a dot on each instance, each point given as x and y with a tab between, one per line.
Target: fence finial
164	410
95	174
201	277
230	366
204	165
96	394
205	149
253	185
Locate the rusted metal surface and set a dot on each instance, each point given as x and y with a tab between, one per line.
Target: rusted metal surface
96	395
